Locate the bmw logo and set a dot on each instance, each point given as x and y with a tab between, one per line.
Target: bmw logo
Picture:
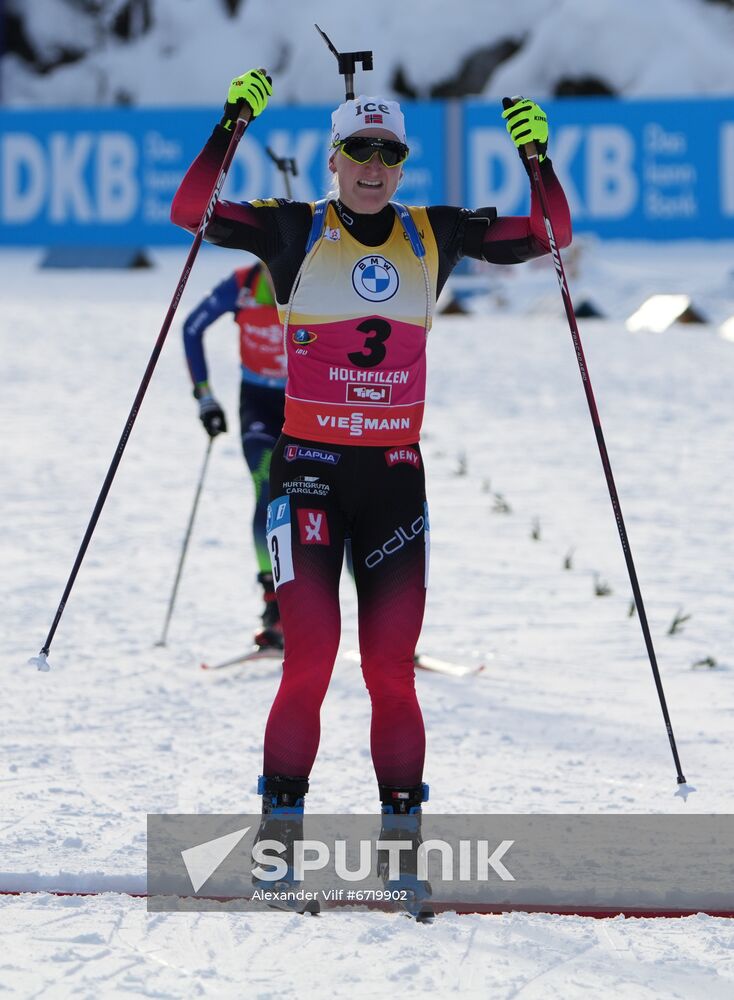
375	278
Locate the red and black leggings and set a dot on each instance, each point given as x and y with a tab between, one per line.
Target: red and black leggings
323	493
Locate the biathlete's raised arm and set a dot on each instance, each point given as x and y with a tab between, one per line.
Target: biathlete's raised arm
276	230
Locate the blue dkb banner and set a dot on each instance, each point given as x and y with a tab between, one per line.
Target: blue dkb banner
632	169
108	177
657	170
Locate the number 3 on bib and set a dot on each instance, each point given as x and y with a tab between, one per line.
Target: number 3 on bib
374	345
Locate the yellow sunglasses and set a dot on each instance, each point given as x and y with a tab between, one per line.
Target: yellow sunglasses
361	149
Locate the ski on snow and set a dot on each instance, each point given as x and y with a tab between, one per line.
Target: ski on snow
256	653
438	666
433	664
422	661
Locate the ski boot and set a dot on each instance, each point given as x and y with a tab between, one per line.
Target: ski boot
282	820
270	636
401	821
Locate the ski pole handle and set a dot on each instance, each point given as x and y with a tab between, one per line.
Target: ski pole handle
529	149
245	114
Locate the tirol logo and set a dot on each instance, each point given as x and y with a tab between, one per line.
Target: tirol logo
375	278
303	337
379	395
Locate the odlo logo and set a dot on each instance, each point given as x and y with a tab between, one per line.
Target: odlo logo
395	542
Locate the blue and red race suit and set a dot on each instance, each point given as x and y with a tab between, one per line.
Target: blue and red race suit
246	295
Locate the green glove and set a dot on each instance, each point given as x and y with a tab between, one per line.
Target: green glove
252	88
526	122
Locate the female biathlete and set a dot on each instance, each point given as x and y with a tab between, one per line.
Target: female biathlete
356	279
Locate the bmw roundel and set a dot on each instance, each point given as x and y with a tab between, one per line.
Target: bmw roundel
375	278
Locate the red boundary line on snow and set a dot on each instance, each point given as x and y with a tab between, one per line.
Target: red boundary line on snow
600	912
487	909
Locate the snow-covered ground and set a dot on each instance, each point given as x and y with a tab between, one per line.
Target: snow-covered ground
565	717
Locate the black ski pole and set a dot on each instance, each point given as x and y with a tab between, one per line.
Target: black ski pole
531	155
287	166
41	661
185	546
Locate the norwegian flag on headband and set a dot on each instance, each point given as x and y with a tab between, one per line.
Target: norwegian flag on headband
373	119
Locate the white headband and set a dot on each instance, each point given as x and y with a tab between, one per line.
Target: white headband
367	112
